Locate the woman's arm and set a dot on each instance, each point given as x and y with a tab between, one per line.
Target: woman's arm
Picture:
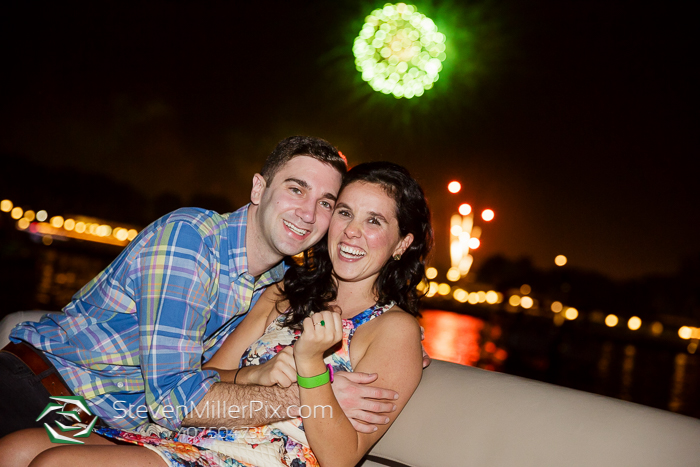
393	350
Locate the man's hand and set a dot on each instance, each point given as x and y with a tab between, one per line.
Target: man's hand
426	357
363	403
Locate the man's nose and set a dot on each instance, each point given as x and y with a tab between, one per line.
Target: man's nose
307	211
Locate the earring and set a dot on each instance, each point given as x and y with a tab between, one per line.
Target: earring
397	257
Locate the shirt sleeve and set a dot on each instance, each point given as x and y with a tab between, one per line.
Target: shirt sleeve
173	287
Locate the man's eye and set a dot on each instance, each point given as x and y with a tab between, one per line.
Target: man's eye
295	190
326	204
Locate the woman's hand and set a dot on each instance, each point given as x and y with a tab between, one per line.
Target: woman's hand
280	370
321	331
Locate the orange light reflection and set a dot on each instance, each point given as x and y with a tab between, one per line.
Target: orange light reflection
452	337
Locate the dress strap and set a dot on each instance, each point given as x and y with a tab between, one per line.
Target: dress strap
368	315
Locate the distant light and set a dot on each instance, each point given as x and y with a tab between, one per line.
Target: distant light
456	251
16	213
431	273
465	264
482	296
526	302
657	328
80	226
399	51
47	240
611	321
456	230
500	297
444	289
685	332
560	260
453	274
491	297
571	314
132	234
122	234
557	307
454	187
421	286
6	205
474	243
473	298
41	216
69	224
57	222
488	215
634	323
464	209
432	289
29	215
23	223
460	295
91	228
525	289
514	300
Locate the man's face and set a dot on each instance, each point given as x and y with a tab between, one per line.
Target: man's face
296	207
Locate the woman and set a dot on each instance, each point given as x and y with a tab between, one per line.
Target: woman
353	301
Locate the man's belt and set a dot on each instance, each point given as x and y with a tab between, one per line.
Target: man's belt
53	382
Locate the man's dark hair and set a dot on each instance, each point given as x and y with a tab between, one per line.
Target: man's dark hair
293	146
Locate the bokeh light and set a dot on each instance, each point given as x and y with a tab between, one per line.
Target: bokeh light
42	215
16	213
6	205
131	234
571	314
454	186
57	222
460	295
557	307
491	297
399	51
525	289
488	215
634	323
560	260
657	328
453	274
29	215
456	230
464	209
444	289
685	332
514	300
526	302
611	321
69	224
474	243
431	273
23	223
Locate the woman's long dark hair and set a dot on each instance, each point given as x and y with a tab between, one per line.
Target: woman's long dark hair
311	287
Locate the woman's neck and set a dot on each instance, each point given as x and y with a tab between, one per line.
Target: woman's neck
354	298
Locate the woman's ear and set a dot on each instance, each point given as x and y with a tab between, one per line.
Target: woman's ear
403	245
258	189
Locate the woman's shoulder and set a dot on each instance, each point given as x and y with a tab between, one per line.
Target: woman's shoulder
394	321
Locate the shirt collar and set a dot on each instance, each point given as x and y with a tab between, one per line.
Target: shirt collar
238	259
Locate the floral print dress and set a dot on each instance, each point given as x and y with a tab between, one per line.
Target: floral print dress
280	444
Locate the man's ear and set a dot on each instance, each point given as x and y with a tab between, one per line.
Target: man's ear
258	189
403	245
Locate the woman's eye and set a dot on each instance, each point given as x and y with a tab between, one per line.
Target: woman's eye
344	213
375	221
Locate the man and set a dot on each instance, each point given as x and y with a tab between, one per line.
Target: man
133	340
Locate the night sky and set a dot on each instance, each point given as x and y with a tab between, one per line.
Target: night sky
575	121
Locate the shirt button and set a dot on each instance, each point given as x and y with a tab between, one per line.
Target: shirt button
120	384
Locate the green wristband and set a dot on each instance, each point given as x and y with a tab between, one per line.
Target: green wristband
314	381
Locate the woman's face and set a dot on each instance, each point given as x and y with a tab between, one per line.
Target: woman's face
364	233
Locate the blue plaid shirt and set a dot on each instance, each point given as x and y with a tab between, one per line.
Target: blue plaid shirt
133	340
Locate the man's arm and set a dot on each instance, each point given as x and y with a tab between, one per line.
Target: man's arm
230	406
